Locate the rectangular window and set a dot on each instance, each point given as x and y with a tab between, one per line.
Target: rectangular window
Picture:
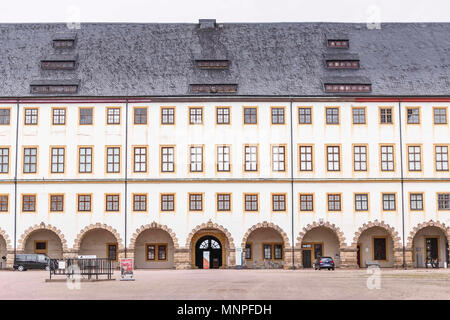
5	116
113	159
278	202
416	201
195	115
277	251
441	154
359	158
167	202
162	252
389	201
112	251
304	116
139	202
167	159
151	252
4	160
140	159
59	116
84	203
248	251
250	116
277	115
335	43
440	115
3	203
56	203
267	251
223	115
443	201
223	158
414	158
359	115
278	158
28	203
196	159
113	115
379	248
387	158
334	202
40	247
31	116
333	158
167	115
386	115
195	202
58	160
251	202
224	202
251	158
29	160
112	202
413	115
306	202
306	158
85	160
140	115
332	115
86	116
361	202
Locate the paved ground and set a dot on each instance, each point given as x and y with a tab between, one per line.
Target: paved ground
236	284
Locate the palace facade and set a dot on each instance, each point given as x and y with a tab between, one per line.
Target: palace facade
266	145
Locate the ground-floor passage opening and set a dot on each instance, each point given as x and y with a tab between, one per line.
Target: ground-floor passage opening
154	249
209	249
430	244
264	249
375	245
44	241
319	242
99	242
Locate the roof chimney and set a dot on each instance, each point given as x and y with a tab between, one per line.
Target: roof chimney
207	23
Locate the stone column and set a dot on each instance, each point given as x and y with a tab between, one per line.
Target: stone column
409	258
9	259
181	259
298	258
231	263
348	258
398	257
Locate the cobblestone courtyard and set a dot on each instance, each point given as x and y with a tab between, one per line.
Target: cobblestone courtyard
236	284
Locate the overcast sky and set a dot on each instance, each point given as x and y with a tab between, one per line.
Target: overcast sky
224	10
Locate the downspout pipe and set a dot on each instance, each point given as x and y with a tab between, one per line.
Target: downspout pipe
292	183
402	183
126	176
15	178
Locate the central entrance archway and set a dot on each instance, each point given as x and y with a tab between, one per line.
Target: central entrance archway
211	245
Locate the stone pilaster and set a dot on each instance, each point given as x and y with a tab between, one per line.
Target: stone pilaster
348	258
409	258
9	259
181	259
231	259
70	254
398	257
287	258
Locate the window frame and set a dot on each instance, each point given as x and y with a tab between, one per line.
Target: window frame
435	160
284	115
245	162
114	115
37	159
134	115
79	159
40	251
365	123
257	202
7	203
156	246
411	193
230	164
408	162
311	115
53	109
312	202
446	115
395	202
367	194
419	115
341	202
161	147
106	159
196	115
299	154
386	246
92	116
217	115
161	116
339	146
392	115
23	195
119	209
285	160
9	160
10	116
25	116
139	194
394	160
161	202
338	108
272	195
202	204
437	200
202	164
50	202
133	149
51	160
78	195
366	146
243	115
229	194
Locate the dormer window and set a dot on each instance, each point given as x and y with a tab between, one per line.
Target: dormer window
338	43
212	64
57	65
348	88
213	88
343	64
63	44
54	86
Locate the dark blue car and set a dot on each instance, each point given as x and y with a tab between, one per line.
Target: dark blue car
324	263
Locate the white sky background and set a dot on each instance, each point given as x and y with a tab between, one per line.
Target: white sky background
224	10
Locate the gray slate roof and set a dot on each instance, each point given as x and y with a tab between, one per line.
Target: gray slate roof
266	59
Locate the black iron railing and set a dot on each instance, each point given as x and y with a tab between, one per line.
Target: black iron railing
82	267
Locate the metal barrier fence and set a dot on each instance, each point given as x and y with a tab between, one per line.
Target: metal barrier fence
83	267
